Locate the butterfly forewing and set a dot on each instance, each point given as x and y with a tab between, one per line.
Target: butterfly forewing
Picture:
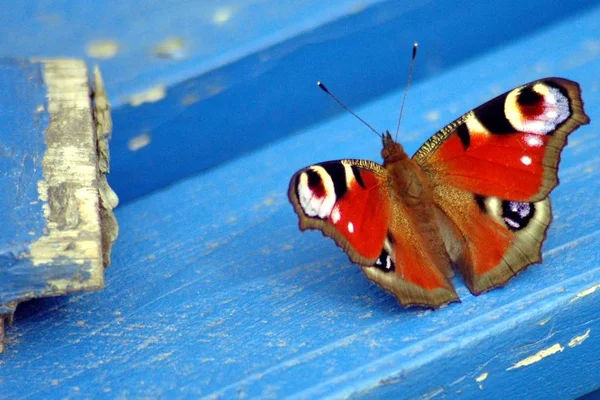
510	146
349	201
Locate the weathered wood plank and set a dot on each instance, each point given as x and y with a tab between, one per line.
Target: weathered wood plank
52	240
214	291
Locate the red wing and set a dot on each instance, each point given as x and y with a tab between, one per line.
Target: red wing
349	201
510	146
492	239
414	264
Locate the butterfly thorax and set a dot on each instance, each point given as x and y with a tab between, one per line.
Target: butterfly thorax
406	179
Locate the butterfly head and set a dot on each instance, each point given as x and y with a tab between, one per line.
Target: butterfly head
392	150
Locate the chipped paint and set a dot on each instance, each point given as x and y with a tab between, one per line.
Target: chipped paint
481	377
222	15
577	340
102	49
151	95
480	380
171	48
539	356
543	322
138	142
585	292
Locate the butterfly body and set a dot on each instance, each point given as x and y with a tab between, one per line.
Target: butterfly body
475	196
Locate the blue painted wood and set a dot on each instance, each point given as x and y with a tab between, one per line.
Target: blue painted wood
240	74
50	241
21	152
214	291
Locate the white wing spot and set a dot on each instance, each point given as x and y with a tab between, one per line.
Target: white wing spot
526	160
335	215
388	263
533	140
350	227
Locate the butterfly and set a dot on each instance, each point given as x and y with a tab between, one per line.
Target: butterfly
475	195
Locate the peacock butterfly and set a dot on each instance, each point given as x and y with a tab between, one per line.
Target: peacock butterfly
474	195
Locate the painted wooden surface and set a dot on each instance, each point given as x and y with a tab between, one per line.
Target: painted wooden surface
51	241
214	291
198	83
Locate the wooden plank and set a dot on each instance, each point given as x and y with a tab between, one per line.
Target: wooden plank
174	75
214	292
52	241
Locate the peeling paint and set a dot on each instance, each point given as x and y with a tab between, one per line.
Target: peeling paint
222	15
151	95
480	380
577	340
138	142
585	292
103	49
482	377
539	356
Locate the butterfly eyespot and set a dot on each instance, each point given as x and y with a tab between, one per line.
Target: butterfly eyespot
517	215
384	262
537	109
316	193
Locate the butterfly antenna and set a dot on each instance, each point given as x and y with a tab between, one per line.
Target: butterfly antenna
410	70
319	84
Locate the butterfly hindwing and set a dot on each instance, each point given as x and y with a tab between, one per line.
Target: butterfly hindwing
414	264
510	146
494	238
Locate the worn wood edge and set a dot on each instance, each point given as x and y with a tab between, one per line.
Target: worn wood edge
7	312
108	198
69	190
